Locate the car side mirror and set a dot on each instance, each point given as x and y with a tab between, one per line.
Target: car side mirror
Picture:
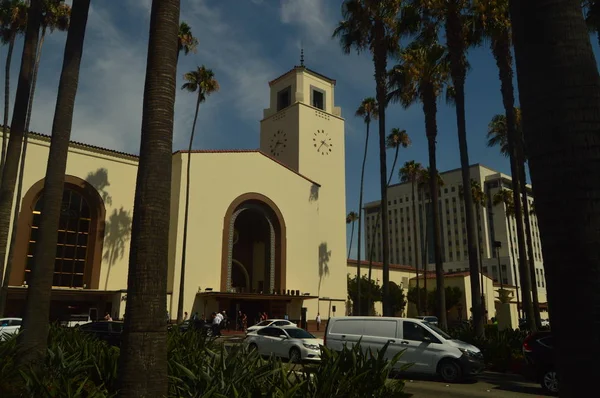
283	336
427	339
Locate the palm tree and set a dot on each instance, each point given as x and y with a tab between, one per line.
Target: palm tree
396	139
368	111
55	15
203	81
19	116
37	306
13	14
421	77
494	22
560	125
505	198
351	218
375	26
186	41
591	10
409	173
144	341
497	134
455	16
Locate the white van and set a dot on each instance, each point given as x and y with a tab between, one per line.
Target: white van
429	349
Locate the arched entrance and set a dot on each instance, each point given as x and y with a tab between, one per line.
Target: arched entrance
253	246
80	236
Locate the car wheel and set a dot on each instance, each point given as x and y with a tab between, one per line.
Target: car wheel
295	355
450	371
550	381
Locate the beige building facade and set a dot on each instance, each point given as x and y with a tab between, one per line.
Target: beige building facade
266	227
492	224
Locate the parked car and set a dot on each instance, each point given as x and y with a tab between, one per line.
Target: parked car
285	342
426	348
428	318
196	325
109	331
9	326
270	322
538	350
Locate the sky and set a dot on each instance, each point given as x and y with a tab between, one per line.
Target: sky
247	43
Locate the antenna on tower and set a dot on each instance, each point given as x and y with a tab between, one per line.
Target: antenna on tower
301	54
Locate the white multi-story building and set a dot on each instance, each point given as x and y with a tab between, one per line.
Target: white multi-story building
492	224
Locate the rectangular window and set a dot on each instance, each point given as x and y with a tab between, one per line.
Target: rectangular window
318	98
284	98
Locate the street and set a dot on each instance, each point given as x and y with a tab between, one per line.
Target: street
488	384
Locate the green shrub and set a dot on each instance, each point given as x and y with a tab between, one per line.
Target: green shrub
78	365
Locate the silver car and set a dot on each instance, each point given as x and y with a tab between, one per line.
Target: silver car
270	322
285	342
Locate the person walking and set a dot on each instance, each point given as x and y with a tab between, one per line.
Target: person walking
318	321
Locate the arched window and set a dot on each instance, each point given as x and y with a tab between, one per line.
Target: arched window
70	263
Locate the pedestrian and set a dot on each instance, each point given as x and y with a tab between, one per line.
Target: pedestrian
318	321
185	316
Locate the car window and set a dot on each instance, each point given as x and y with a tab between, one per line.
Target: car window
264	323
15	322
547	341
272	332
299	334
412	331
439	331
348	326
281	323
4	322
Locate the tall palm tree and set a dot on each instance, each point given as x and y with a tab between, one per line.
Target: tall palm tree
13	15
494	23
144	341
34	340
55	15
351	218
368	111
375	26
409	173
395	140
203	82
421	76
560	125
19	116
456	18
186	42
505	198
498	135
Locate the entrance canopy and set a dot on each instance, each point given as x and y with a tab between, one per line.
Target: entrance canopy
252	296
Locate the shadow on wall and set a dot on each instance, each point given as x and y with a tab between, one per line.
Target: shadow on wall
117	233
99	180
314	193
324	256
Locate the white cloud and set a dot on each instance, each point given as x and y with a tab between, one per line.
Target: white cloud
312	16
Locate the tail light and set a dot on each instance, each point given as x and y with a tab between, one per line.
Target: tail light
527	347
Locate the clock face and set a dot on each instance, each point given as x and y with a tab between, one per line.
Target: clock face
278	143
322	142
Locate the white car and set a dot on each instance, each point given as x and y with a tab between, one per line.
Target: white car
270	322
9	326
285	342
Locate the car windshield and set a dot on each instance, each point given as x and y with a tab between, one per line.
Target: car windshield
263	323
438	331
299	334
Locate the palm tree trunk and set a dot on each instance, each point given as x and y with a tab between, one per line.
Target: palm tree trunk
360	203
425	253
13	235
351	239
15	142
560	124
415	244
394	164
529	241
11	47
37	306
501	51
514	265
430	110
380	61
144	341
454	34
186	215
480	251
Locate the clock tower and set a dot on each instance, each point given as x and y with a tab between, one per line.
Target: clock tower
304	130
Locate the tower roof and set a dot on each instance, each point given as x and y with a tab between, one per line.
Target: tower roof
305	69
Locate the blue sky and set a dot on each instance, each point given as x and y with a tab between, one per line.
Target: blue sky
247	43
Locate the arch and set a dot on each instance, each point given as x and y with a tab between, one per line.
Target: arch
278	237
243	269
96	232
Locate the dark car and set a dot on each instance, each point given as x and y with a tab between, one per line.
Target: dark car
196	325
109	331
538	349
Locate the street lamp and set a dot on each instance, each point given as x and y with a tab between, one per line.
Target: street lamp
497	246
